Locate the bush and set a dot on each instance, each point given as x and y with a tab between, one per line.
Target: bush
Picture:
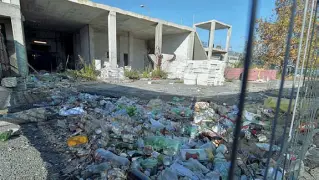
146	74
158	73
88	72
132	74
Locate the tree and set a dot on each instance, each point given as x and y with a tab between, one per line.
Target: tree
272	33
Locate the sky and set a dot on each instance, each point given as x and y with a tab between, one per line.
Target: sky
232	12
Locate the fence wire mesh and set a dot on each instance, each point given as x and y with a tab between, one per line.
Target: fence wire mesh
295	139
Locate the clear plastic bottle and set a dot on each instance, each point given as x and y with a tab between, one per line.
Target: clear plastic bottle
109	156
135	174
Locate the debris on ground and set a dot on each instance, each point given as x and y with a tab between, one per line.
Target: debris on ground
130	138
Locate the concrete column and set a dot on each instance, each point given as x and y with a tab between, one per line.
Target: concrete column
20	50
130	48
211	39
91	43
158	38
112	39
190	50
227	43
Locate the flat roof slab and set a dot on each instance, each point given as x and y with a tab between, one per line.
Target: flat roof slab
207	25
58	15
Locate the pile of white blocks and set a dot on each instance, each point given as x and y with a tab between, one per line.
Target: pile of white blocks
111	74
175	69
197	72
207	72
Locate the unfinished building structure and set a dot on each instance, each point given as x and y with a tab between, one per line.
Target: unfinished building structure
46	34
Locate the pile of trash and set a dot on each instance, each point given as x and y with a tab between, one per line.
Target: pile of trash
127	138
124	138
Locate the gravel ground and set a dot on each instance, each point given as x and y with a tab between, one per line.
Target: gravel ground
20	160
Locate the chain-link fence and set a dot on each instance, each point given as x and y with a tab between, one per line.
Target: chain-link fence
292	143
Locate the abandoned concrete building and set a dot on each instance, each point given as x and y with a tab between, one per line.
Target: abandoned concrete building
45	34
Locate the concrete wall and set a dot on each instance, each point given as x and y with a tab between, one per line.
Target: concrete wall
85	44
10	41
100	42
140	54
122	49
18	58
101	45
176	44
199	51
76	46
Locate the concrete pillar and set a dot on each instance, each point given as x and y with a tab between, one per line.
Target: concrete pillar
211	39
130	48
20	50
91	43
112	39
190	50
227	43
158	38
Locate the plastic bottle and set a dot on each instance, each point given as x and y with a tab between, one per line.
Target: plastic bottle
199	154
135	174
109	156
95	169
5	135
168	145
168	174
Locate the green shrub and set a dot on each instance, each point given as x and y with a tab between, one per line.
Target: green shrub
132	74
88	72
158	73
146	74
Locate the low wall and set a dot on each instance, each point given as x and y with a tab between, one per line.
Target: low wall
254	74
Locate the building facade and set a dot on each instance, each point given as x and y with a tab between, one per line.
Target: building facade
46	34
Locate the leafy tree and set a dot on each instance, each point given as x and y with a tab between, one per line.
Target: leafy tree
272	33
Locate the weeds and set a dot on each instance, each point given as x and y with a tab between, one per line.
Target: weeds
146	74
88	71
158	73
132	74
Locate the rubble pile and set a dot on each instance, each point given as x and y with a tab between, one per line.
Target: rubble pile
127	138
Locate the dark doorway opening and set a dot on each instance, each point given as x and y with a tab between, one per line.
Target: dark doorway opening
49	50
125	59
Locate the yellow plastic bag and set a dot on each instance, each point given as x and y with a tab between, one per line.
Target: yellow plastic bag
271	102
77	140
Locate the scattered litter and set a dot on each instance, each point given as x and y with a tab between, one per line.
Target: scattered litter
266	147
77	140
129	138
72	111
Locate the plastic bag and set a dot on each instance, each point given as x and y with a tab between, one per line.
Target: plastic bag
73	111
266	147
77	140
